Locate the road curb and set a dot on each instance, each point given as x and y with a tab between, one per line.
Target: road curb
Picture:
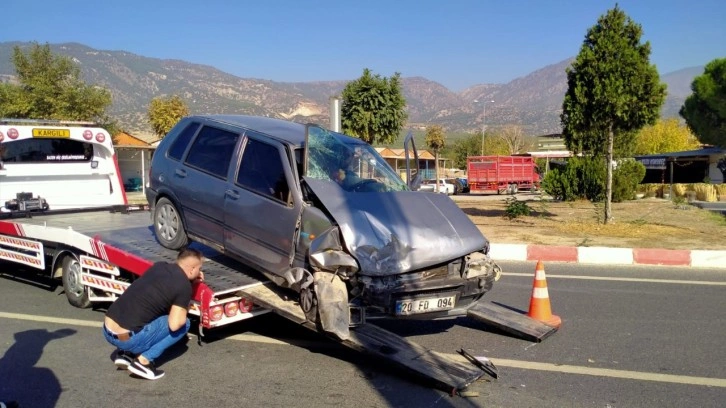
610	256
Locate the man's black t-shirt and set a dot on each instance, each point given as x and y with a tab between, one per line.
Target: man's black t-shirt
151	296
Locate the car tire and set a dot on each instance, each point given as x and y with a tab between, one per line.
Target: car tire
168	225
76	292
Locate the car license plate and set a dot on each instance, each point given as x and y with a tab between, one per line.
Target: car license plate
52	133
425	305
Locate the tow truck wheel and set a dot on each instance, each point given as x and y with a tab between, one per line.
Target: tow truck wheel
168	225
75	291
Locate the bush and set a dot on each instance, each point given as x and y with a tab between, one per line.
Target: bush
651	189
705	192
626	177
679	190
720	191
557	185
516	208
581	178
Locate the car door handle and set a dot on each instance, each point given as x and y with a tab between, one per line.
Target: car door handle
180	172
232	194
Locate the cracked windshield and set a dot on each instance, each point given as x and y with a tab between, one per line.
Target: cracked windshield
351	163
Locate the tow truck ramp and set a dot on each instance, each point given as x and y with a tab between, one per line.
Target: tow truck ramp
440	370
510	321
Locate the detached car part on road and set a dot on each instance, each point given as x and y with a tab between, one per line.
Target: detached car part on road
320	213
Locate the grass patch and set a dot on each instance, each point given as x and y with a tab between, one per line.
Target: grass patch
623	230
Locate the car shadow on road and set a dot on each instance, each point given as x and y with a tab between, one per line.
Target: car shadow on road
20	379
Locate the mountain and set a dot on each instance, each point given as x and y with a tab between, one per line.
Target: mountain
533	101
679	87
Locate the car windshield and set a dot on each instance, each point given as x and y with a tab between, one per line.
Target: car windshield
352	163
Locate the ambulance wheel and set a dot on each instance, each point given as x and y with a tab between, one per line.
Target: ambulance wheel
168	225
75	291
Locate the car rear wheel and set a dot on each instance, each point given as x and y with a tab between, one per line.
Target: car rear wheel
168	225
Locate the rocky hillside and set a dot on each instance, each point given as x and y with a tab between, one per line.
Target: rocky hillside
533	101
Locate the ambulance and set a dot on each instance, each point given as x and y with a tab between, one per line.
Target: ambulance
57	165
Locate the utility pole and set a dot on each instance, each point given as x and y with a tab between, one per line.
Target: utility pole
483	122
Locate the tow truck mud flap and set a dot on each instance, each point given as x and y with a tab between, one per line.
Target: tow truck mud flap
441	371
517	324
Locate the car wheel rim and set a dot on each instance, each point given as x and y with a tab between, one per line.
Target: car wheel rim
167	222
74	278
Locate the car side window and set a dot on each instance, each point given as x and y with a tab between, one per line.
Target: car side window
212	151
177	149
261	170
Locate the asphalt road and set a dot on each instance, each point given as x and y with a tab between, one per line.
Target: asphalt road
631	337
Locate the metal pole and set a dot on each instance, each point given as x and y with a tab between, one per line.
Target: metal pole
335	103
483	126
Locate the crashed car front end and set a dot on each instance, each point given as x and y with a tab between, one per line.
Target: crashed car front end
440	291
417	254
400	253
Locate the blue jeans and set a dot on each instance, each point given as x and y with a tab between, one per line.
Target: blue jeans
151	340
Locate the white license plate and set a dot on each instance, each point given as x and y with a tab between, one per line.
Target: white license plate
425	305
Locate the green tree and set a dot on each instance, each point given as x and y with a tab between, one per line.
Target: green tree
164	113
436	140
374	108
665	136
50	87
495	144
705	109
612	90
461	149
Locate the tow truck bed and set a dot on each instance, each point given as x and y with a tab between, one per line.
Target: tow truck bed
130	236
132	233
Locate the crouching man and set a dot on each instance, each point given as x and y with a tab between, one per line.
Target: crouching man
151	315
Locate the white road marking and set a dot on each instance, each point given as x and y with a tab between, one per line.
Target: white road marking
527	365
49	319
610	278
607	372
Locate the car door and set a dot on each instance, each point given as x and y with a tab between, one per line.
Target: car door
262	205
204	182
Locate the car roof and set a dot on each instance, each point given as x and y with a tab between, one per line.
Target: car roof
291	132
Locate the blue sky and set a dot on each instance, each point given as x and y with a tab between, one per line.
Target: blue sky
458	43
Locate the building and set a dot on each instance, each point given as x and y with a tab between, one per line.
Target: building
134	158
396	158
691	166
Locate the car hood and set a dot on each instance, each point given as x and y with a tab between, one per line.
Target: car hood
394	232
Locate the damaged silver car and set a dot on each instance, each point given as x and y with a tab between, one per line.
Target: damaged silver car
322	214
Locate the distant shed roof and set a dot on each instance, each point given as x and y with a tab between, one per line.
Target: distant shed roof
123	139
708	151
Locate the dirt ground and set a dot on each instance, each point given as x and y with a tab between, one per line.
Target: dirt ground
644	223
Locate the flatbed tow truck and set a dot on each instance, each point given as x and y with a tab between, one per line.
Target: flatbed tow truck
98	254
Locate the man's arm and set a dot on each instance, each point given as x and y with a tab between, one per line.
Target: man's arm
177	317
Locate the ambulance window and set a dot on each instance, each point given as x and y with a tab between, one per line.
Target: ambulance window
46	150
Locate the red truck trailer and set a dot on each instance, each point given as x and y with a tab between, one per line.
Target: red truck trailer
503	174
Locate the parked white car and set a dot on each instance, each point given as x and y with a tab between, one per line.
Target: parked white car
444	186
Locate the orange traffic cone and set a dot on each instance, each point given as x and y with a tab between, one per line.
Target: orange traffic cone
539	303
